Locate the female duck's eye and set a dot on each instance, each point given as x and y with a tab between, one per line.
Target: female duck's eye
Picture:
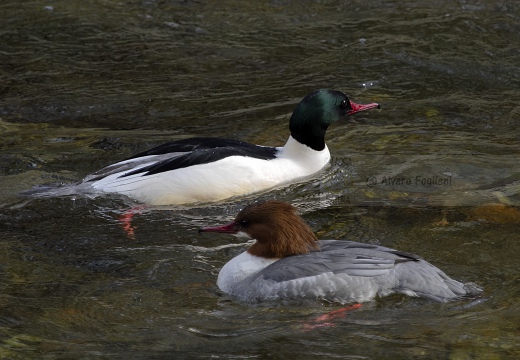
344	103
243	223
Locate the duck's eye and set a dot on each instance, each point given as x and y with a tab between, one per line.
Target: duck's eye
345	103
243	223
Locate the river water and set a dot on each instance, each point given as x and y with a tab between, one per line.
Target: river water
84	84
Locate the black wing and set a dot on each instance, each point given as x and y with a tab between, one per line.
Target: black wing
197	151
203	143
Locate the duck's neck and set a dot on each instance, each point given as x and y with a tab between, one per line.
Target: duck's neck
312	137
296	150
239	268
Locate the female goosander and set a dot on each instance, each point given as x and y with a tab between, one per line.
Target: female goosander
287	261
212	169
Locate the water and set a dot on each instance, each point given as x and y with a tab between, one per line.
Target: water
434	172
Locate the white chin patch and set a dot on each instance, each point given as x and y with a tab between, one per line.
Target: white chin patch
242	235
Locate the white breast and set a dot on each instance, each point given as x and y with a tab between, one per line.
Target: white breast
239	268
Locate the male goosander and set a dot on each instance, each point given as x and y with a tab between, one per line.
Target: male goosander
287	261
212	169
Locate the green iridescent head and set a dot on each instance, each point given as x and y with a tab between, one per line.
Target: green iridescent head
316	111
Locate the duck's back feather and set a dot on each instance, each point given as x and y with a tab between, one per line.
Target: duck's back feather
346	271
209	143
204	156
184	153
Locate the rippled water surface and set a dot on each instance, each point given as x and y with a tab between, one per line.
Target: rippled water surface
87	83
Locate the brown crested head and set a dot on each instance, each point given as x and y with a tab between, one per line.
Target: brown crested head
276	227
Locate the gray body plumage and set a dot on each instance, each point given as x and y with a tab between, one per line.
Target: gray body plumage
346	271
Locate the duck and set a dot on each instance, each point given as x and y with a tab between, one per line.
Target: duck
288	262
205	170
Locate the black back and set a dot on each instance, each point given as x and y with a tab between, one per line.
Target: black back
197	151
